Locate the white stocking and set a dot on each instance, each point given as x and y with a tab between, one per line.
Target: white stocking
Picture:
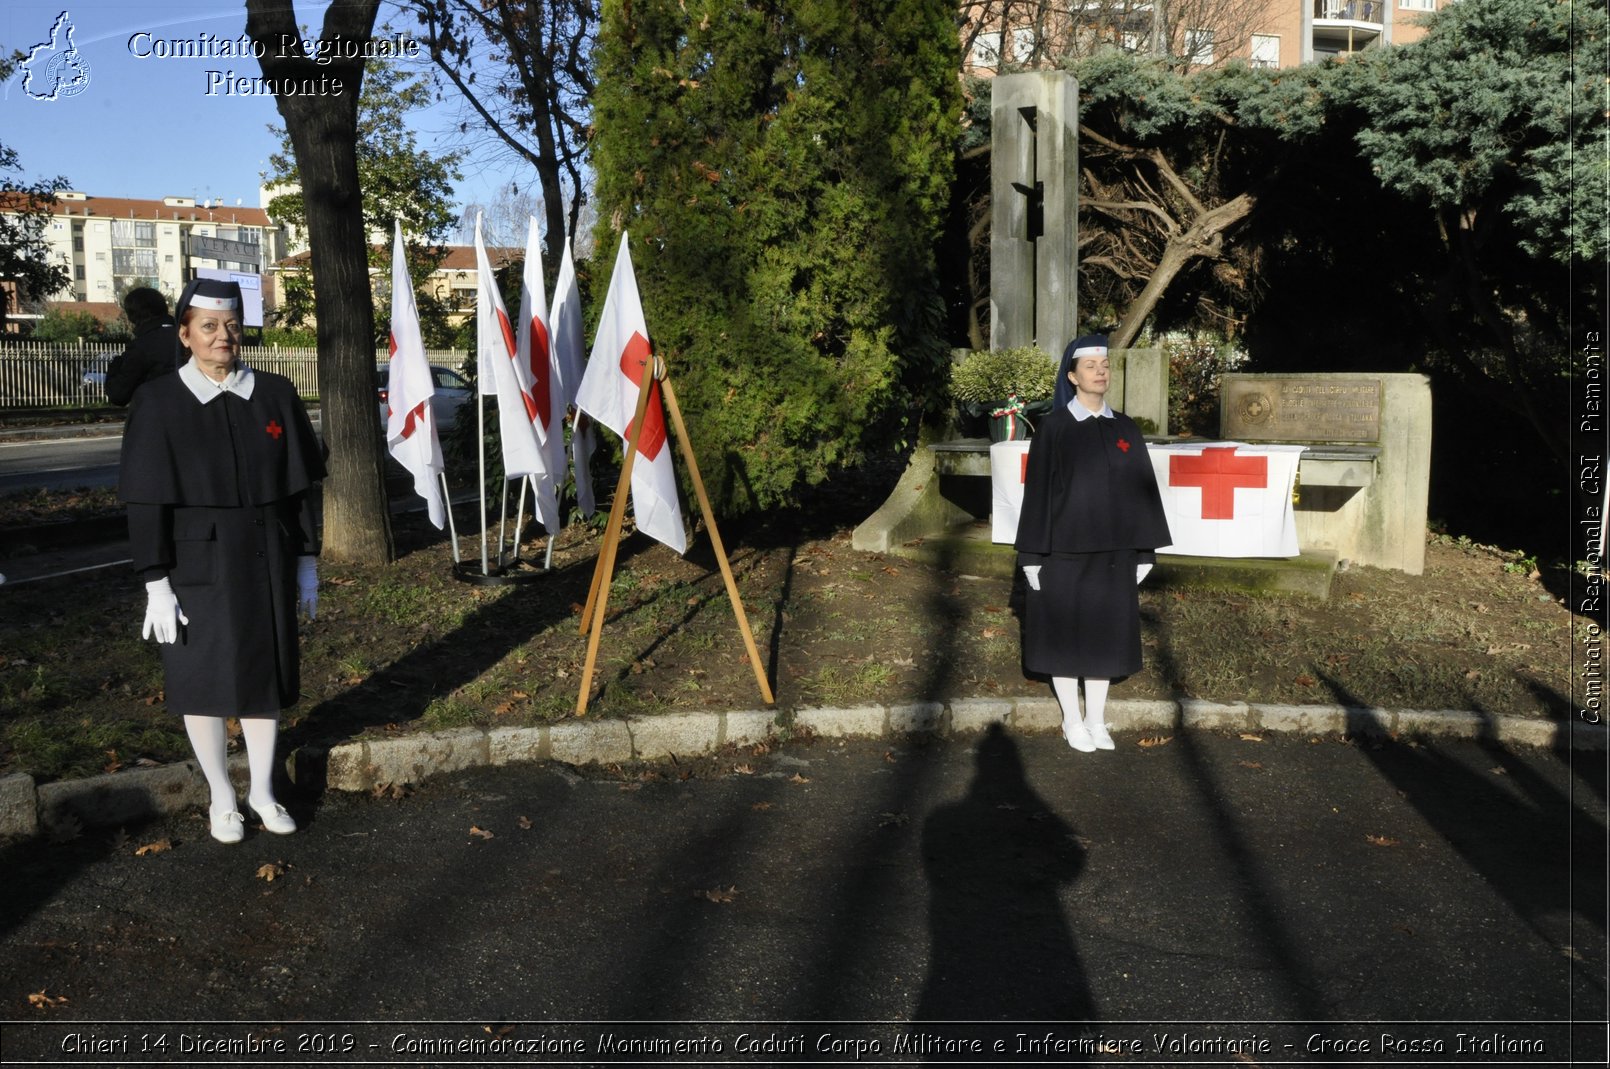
261	733
1096	701
1073	725
208	740
1067	690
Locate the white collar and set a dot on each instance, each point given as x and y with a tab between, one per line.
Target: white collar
238	382
1081	413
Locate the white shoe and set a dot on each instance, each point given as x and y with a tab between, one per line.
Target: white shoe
1078	735
275	820
227	827
1099	735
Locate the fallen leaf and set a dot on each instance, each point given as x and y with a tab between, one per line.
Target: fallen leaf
890	570
797	778
1305	680
524	823
1474	673
41	1000
888	757
903	662
718	894
1250	764
744	770
1569	951
158	847
760	749
1156	740
1381	840
1499	771
481	833
760	807
994	632
271	871
1247	736
502	708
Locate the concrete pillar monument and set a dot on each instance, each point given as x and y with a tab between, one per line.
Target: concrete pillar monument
1034	194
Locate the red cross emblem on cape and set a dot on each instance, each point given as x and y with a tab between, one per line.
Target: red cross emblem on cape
274	429
1123	443
1218	472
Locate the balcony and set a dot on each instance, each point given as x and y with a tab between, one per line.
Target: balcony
1342	26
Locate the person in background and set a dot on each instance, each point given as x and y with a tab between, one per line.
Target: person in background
153	350
218	465
1091	523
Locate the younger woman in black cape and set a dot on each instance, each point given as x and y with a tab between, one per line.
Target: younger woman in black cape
218	461
1091	522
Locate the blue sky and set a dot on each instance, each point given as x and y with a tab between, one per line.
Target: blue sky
148	127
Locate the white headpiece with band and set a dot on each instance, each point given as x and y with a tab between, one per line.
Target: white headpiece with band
1090	350
215	304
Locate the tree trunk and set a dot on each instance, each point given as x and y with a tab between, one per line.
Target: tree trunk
1204	237
324	131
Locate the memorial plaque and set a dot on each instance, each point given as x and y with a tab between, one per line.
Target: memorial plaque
1298	408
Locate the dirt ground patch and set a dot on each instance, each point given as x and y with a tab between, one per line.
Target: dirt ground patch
407	647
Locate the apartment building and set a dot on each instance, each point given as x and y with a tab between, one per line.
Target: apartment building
110	245
1202	33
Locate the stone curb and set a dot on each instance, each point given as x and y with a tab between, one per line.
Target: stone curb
27	809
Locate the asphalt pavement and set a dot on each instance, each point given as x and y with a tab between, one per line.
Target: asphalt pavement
1204	899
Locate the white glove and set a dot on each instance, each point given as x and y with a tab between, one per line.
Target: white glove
1140	572
1031	572
162	613
307	586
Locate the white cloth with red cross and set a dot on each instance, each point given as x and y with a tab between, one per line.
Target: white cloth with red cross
1223	499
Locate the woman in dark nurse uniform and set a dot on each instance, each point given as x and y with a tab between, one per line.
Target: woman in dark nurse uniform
218	462
1092	519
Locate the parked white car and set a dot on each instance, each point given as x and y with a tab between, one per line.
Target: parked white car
452	391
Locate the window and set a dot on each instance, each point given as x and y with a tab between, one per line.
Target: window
987	49
1022	45
1265	50
1418	5
78	272
1199	46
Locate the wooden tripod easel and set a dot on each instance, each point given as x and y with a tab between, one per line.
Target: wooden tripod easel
592	616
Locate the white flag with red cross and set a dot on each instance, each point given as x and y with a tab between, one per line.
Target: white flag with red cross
564	321
621	356
410	420
1228	499
534	356
497	354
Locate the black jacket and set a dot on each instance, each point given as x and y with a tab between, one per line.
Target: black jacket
153	352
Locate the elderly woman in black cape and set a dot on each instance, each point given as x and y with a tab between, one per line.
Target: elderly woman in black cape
218	461
1091	522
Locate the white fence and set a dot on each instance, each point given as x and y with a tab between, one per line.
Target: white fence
47	375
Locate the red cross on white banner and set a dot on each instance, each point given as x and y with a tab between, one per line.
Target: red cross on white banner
1218	472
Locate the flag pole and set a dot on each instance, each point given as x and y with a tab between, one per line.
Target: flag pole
447	506
715	537
480	422
519	520
598	597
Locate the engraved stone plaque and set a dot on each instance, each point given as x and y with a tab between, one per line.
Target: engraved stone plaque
1300	408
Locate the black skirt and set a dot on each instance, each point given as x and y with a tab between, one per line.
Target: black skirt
1084	621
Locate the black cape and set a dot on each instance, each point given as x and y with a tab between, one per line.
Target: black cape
218	501
1089	487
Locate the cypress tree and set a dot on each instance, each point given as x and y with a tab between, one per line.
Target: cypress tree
784	169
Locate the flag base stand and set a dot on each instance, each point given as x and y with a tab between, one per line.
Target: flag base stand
515	573
592	615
